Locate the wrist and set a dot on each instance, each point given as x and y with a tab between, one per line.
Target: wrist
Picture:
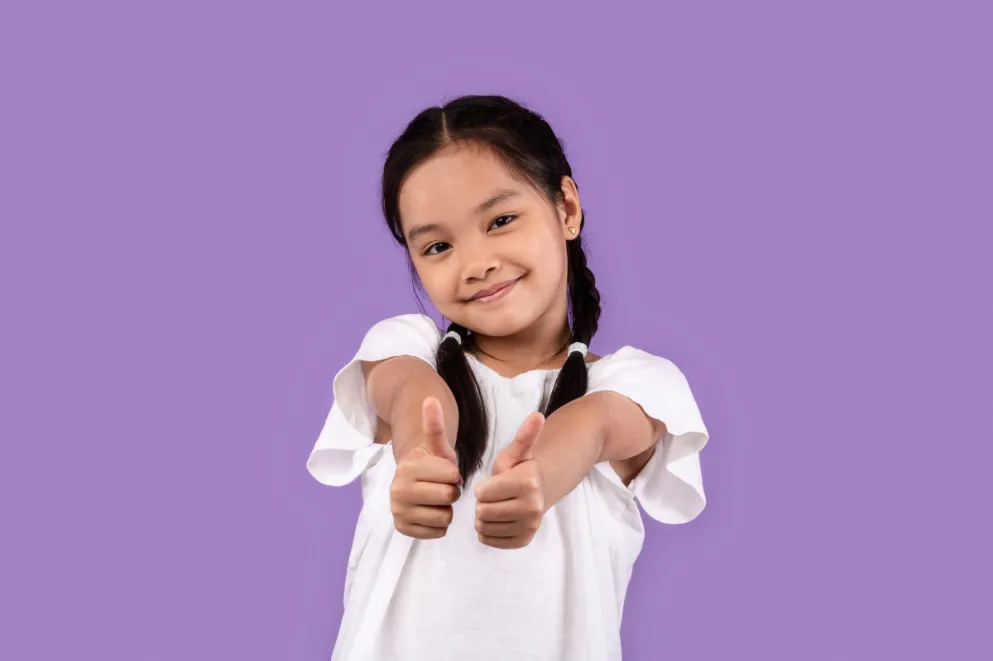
407	410
405	440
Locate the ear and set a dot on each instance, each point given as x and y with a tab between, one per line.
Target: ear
570	211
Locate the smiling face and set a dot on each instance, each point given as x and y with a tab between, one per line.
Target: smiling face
471	226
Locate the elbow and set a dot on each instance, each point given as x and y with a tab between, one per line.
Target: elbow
628	432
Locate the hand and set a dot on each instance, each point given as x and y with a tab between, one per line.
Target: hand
427	480
511	503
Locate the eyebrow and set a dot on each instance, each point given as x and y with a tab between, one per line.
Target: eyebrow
500	196
495	199
422	229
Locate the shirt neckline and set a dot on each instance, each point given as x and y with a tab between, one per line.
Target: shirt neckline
529	373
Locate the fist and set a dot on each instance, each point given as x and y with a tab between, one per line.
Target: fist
511	503
427	480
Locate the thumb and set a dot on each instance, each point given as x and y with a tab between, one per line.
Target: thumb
433	427
521	448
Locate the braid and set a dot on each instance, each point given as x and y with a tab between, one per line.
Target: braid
584	297
453	367
584	300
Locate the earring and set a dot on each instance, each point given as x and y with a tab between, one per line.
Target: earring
573	230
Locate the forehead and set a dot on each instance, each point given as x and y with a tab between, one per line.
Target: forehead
451	183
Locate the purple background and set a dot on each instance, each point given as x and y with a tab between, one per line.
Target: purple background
783	200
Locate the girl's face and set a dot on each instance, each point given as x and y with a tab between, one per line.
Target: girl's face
471	227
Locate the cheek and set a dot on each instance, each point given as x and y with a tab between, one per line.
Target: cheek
545	256
437	281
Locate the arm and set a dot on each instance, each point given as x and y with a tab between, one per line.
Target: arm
601	426
397	389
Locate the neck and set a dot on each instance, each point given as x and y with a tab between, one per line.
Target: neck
541	345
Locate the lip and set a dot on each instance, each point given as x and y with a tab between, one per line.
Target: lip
494	293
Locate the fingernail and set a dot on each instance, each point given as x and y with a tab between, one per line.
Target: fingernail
459	483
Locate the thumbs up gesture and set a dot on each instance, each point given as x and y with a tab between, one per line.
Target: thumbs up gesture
427	480
511	503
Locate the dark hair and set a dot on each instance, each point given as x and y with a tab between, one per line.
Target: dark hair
526	144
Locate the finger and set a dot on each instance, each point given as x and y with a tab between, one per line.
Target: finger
502	512
502	529
433	469
432	493
503	542
433	427
420	532
522	447
528	435
505	486
429	516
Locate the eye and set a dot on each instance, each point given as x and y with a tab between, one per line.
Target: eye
431	248
510	218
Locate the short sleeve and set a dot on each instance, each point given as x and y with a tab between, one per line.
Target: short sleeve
670	486
346	445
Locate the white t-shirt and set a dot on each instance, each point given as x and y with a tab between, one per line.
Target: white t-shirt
456	599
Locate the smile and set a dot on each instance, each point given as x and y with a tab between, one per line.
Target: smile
497	295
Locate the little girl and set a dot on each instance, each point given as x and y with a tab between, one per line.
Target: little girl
500	459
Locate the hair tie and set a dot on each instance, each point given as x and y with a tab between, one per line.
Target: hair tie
452	334
578	347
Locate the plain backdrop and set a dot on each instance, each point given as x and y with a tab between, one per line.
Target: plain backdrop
791	201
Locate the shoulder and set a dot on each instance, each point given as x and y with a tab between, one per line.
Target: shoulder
629	360
405	327
639	374
654	382
405	334
407	324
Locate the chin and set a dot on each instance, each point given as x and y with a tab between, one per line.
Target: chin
495	323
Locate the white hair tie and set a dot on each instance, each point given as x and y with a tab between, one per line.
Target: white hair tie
458	338
578	347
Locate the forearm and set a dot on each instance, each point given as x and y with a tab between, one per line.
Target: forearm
601	426
571	442
398	389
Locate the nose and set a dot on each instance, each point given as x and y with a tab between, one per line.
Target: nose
477	262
